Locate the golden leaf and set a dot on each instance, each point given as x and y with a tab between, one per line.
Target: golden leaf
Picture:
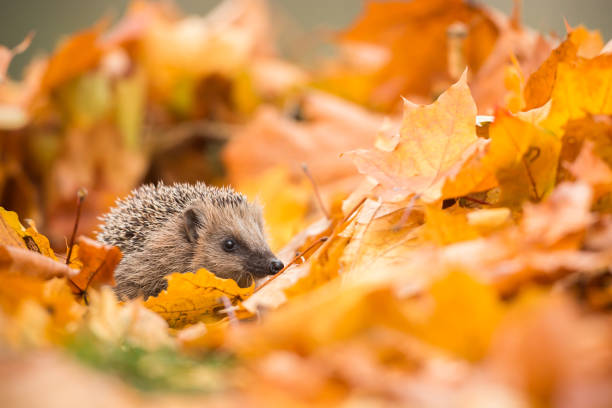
523	158
11	229
195	297
13	233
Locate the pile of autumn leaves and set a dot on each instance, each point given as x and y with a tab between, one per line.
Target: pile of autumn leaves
470	267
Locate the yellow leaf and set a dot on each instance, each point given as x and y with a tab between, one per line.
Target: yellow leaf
195	297
11	229
539	86
14	234
523	158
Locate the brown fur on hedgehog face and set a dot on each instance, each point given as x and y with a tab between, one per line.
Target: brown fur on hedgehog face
228	241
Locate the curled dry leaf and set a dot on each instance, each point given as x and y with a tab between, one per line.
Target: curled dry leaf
195	297
21	261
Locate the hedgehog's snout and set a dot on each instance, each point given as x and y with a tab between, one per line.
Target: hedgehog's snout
276	265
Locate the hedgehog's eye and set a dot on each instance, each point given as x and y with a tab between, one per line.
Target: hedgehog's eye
229	244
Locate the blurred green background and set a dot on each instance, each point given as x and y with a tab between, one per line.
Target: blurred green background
53	19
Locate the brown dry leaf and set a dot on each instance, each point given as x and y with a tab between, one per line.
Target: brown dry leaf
195	297
435	141
383	238
99	263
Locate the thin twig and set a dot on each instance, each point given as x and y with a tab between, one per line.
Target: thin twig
475	200
292	262
316	190
320	240
81	194
531	179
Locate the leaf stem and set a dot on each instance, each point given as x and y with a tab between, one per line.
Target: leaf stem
81	194
292	262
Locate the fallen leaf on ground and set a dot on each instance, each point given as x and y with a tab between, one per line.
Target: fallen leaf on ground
195	297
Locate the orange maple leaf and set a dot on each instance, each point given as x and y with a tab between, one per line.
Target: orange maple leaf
433	144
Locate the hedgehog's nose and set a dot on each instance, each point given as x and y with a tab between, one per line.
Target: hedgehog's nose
276	266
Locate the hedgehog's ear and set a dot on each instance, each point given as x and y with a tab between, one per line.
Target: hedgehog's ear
192	220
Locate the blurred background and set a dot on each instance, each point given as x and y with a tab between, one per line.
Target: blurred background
53	19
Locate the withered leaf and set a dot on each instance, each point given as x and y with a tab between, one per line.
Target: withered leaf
99	262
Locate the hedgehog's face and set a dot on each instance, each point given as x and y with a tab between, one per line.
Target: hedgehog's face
229	241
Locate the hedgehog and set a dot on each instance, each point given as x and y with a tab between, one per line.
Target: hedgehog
162	229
